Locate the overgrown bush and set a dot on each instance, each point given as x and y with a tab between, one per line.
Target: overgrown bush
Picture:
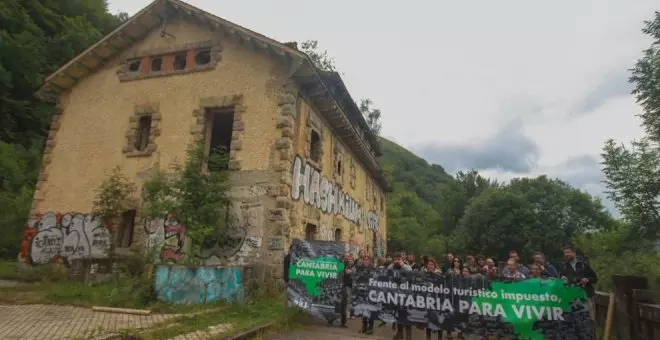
195	194
616	252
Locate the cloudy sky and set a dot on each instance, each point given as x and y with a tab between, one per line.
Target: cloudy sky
512	88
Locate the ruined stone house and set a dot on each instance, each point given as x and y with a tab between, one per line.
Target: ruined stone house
303	161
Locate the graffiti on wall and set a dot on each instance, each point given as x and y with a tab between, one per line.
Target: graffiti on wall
69	236
231	248
372	220
192	285
317	191
326	233
167	237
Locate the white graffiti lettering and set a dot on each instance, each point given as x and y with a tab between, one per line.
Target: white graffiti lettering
73	236
372	220
319	192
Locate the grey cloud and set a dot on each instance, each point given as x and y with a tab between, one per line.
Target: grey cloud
584	172
508	150
613	84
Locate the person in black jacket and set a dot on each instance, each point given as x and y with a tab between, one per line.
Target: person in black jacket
349	268
576	271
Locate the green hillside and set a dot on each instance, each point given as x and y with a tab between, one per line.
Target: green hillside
413	208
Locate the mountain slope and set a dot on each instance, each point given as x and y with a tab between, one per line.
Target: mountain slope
414	208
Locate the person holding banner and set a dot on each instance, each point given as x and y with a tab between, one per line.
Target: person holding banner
577	271
397	267
349	268
367	322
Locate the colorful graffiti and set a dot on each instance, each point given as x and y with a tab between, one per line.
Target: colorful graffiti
193	285
168	237
69	236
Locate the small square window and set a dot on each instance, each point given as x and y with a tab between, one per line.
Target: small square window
310	232
156	64
203	57
134	65
180	62
143	132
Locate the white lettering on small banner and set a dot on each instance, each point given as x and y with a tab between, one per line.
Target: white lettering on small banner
316	190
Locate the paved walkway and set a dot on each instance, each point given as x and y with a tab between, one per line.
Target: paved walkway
42	322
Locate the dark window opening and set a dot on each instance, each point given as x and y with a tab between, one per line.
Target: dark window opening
340	167
219	131
179	61
315	147
203	57
337	234
310	232
143	132
125	235
134	65
156	64
374	242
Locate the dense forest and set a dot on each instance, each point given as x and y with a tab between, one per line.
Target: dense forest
429	211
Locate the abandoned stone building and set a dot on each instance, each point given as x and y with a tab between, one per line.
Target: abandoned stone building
303	162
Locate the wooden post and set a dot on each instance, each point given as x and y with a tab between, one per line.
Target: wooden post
608	319
627	324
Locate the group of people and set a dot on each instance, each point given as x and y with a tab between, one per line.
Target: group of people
574	270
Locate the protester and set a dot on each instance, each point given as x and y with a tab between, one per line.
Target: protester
347	284
410	260
457	266
481	261
449	260
512	271
471	264
367	322
489	269
432	266
513	255
547	269
399	266
577	271
536	271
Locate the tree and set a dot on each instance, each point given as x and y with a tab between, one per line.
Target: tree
196	198
456	195
495	222
320	58
529	214
36	38
114	196
323	61
372	116
632	172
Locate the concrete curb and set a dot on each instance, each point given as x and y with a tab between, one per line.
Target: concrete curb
251	333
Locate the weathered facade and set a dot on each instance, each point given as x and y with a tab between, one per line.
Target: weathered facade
302	159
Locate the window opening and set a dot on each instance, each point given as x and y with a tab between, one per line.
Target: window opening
310	232
179	62
134	65
315	147
156	64
143	131
337	234
203	57
125	235
220	126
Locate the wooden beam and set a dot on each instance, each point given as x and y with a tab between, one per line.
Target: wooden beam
112	47
99	58
75	80
83	66
127	37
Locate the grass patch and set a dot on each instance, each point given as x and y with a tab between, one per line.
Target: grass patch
241	317
125	293
9	271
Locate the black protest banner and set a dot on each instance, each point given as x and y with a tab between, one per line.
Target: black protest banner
315	277
529	309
